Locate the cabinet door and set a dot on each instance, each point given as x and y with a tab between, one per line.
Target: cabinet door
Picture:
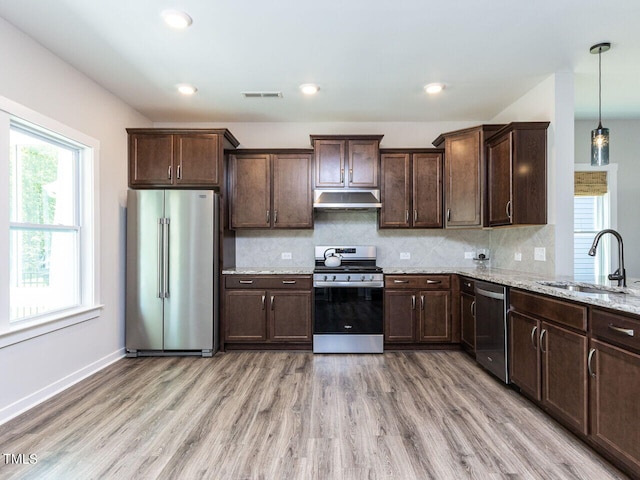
292	196
427	190
197	160
463	180
250	191
150	160
245	316
399	315
468	321
564	375
435	316
524	354
290	316
363	163
615	405
396	191
330	163
499	175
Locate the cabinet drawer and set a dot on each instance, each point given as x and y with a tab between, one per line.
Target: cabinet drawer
422	282
558	311
467	285
618	329
299	282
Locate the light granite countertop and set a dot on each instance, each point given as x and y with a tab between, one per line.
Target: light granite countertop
628	302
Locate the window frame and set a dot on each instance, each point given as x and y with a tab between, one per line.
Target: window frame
12	332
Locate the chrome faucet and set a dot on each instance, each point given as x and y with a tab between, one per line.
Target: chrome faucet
620	274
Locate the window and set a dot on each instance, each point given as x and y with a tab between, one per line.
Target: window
49	213
593	210
45	232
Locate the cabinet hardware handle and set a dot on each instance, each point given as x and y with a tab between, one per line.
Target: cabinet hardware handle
263	301
508	209
273	302
589	358
342	175
275	216
413	302
406	215
434	281
179	172
467	284
448	214
246	282
422	302
401	281
542	334
268	216
289	282
624	331
533	335
351	175
169	172
473	309
415	215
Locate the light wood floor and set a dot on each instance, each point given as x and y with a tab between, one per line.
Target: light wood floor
274	415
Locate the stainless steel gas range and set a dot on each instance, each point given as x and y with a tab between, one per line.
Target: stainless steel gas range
348	300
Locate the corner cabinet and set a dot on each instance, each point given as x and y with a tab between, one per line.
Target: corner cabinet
178	157
464	175
517	175
267	309
417	309
270	189
346	161
411	188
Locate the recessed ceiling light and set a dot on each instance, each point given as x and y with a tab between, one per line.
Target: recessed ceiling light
309	88
176	19
433	88
185	89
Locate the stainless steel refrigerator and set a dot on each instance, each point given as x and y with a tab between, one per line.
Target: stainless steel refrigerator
172	272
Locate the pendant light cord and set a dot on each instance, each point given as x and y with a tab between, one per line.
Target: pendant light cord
600	87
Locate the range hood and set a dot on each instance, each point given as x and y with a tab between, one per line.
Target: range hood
346	199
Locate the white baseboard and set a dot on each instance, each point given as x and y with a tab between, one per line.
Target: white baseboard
35	398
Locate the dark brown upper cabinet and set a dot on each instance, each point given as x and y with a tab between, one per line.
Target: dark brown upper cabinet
464	175
177	157
517	175
346	161
411	187
270	189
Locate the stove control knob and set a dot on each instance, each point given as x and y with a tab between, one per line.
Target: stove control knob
362	278
325	278
333	278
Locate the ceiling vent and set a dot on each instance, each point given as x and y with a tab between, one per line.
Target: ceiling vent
262	94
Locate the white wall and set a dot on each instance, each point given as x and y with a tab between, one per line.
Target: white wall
624	150
33	77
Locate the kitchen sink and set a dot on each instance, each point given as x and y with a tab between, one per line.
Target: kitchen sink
584	288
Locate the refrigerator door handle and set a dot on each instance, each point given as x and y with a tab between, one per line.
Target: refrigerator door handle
160	258
165	257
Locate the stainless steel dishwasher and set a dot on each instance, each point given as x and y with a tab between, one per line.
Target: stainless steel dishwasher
491	328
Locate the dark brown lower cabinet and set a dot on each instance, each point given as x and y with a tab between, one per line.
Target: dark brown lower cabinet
267	309
468	321
549	364
417	315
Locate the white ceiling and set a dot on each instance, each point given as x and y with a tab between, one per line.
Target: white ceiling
371	58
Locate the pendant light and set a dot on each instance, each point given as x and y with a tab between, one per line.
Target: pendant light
600	135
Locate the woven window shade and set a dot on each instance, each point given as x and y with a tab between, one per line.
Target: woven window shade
589	183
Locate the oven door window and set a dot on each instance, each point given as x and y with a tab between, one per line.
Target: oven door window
348	310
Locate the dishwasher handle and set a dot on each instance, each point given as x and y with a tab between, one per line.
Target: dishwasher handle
487	293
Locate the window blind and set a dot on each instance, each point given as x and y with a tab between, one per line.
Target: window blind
589	184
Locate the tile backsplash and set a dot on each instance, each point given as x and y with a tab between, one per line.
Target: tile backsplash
426	247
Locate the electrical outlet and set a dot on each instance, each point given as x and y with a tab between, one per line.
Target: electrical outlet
286	256
540	254
517	257
468	255
405	255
